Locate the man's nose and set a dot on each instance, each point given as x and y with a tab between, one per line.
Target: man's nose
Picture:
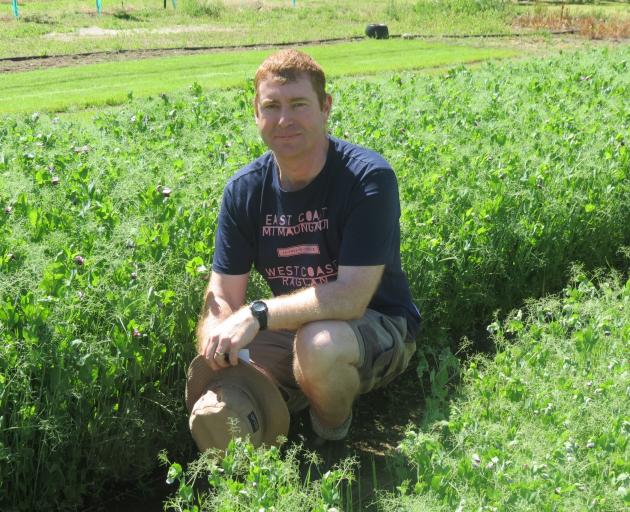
286	116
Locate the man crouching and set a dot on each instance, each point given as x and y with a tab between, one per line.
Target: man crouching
318	218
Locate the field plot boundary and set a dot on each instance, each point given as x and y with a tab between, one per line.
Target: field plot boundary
72	56
110	83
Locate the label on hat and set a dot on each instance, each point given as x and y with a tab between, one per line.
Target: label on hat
253	421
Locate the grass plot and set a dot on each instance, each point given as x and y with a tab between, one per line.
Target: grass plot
60	89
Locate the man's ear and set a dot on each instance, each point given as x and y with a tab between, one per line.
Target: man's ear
255	105
327	106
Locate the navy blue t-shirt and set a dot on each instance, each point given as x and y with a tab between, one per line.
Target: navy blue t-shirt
348	215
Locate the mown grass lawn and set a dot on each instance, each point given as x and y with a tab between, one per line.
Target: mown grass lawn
58	89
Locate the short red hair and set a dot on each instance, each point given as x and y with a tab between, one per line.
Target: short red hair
289	66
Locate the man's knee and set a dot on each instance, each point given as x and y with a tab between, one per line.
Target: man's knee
320	346
314	350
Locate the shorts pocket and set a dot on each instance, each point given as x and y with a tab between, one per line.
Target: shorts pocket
395	360
382	365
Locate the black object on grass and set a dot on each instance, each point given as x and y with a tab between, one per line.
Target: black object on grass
377	31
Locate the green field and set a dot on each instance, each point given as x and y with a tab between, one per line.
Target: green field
544	424
100	279
514	179
65	27
59	89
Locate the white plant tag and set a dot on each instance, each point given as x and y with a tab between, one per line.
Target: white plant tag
243	355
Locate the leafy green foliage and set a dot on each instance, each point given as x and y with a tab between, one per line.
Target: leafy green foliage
245	478
506	175
545	424
100	299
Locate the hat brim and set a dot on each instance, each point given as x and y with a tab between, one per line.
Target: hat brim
262	388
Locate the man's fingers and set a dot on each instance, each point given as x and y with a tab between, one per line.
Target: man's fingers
211	363
233	356
209	351
212	349
218	359
218	346
222	351
228	358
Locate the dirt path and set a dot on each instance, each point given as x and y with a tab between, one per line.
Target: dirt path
381	418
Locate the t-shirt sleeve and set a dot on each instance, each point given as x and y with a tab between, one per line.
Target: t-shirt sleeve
371	232
233	247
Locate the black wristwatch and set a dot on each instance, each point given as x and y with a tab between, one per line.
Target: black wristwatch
259	310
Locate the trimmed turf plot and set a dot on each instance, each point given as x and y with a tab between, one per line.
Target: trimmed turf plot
61	89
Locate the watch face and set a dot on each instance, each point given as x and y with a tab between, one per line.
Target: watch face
259	310
259	306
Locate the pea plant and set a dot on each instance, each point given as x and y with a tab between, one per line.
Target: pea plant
507	175
543	424
246	478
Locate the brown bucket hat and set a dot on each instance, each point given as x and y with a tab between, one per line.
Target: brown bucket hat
241	392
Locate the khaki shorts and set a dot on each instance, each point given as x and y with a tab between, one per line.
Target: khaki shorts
384	348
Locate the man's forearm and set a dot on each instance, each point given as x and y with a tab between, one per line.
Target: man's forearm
330	301
215	310
225	327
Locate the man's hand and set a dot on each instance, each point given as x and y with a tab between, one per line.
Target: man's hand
227	338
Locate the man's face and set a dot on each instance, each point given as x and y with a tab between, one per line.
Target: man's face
290	119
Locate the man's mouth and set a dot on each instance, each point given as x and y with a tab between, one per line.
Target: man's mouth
287	136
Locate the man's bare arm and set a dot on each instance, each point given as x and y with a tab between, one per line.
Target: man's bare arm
343	299
224	295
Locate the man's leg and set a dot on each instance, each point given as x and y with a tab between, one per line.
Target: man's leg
273	351
325	366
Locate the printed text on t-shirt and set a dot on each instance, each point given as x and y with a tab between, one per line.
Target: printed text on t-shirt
309	221
298	276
